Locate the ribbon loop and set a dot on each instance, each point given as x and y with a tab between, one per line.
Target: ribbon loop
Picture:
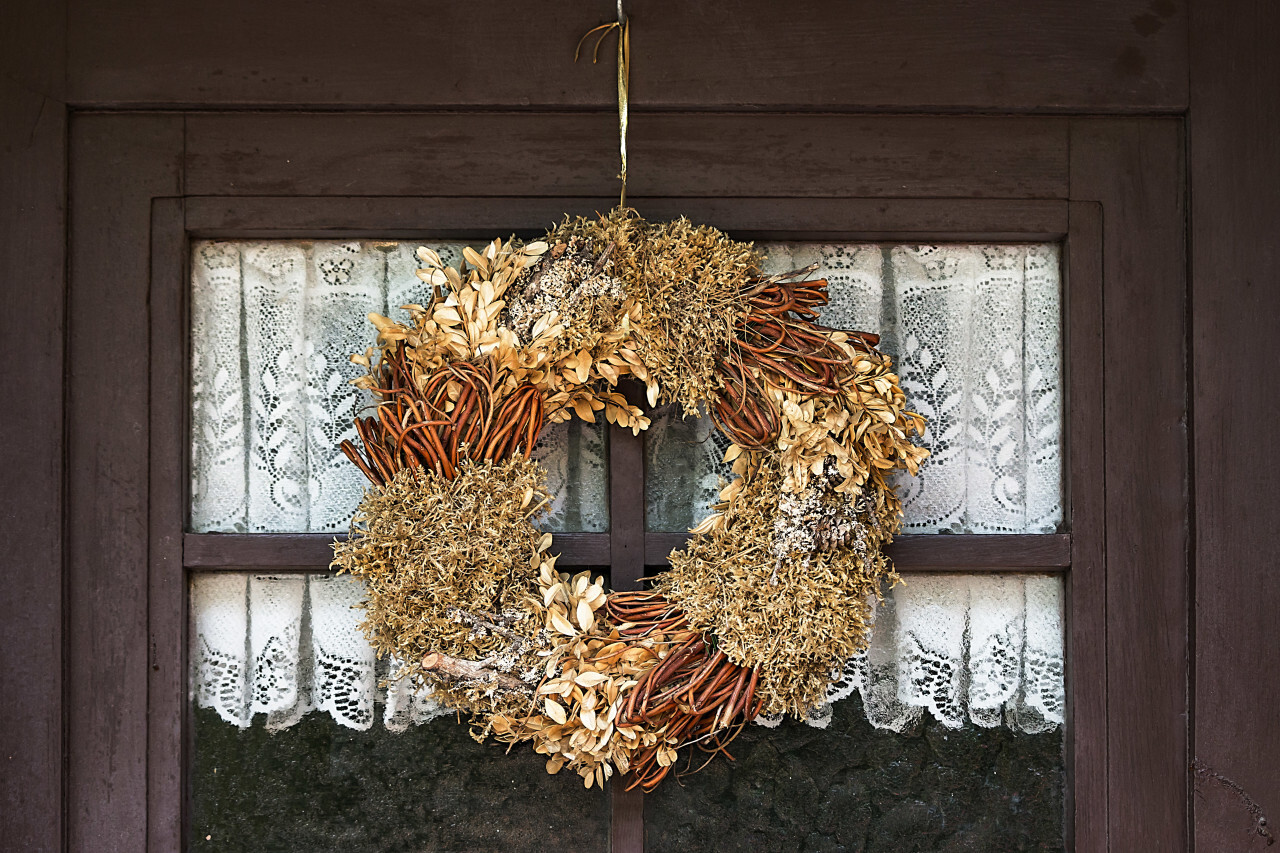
623	26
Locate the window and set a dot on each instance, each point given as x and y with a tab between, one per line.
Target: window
272	323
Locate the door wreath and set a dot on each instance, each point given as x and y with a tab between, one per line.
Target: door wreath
773	593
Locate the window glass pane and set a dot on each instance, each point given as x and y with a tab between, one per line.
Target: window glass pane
318	786
975	332
273	324
853	787
298	747
945	734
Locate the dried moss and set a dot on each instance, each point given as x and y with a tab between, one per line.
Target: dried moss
688	282
794	616
446	566
574	280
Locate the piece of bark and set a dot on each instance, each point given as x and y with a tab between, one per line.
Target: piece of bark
470	671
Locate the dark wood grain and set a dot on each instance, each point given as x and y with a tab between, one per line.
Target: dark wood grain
1235	293
1086	586
626	558
626	498
843	219
1131	167
743	101
960	171
928	553
626	834
1092	56
484	154
33	192
167	503
312	552
32	269
33	59
119	163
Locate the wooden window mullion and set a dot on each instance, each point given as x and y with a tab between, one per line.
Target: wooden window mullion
626	559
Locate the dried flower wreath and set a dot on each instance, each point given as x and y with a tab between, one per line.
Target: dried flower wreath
771	596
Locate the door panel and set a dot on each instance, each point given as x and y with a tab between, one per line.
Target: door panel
1129	169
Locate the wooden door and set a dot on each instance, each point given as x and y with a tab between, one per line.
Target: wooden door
146	184
229	111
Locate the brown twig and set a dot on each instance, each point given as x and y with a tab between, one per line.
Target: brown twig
465	670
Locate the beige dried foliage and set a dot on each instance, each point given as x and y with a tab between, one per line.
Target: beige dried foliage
862	434
796	616
450	566
589	672
467	321
687	282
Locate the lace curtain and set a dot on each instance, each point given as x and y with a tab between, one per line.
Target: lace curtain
975	331
977	648
285	646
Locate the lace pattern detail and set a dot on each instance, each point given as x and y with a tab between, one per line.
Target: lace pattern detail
219	644
275	628
1042	701
684	471
344	662
285	646
964	648
408	704
985	649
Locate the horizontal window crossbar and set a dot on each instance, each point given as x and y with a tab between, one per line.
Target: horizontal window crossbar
311	552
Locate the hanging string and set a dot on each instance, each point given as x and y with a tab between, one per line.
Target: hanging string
623	26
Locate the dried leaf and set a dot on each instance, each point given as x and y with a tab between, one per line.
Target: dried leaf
555	711
590	679
586	618
562	625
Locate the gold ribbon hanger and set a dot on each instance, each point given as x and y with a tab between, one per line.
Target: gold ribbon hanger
623	26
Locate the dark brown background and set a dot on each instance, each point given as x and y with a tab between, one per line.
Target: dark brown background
1163	114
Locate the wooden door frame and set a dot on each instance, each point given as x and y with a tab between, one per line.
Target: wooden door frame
627	547
1119	183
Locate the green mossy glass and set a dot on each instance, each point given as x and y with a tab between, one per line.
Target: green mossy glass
319	787
851	787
